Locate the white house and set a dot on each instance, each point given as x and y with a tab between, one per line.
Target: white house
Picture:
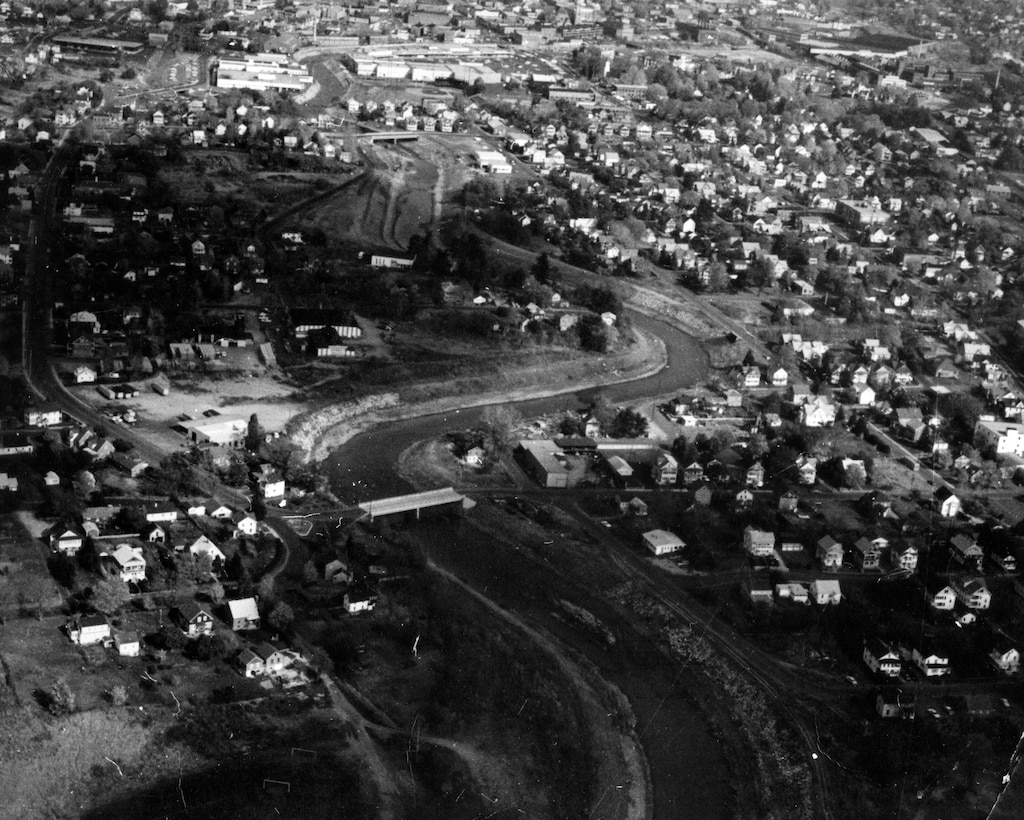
128	561
824	593
244	614
662	542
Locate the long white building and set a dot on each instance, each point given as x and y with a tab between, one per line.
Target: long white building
262	72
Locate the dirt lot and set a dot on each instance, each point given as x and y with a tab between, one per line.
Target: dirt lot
240	395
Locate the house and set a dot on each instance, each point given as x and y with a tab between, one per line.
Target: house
662	542
222	513
759	592
758	543
128	562
825	593
797	593
1005	656
67	541
932	661
636	507
355	602
807	470
1003	558
973	593
43	415
829	553
940	595
269	482
704	494
903	556
127	643
665	470
161	511
789	501
779	377
819	412
243	614
337	572
867	554
744	499
895	703
274	660
204	546
693	473
251	663
947	503
755	475
89	629
881	658
474	457
245	524
193	619
966	552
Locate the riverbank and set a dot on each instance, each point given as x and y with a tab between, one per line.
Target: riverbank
321	431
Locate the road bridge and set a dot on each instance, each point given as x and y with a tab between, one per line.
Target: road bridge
416	502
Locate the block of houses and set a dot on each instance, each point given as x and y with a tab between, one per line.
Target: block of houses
867	554
89	629
881	658
973	593
758	543
662	542
966	552
931	660
194	619
127	643
243	614
829	553
892	702
826	592
1005	656
128	562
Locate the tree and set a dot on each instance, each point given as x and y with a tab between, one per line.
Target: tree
594	335
109	595
542	270
60	700
309	573
499	422
118	695
254	434
628	423
63	569
281	617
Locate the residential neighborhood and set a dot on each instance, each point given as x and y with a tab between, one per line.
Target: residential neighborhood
663	359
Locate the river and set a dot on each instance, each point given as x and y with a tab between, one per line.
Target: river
690	773
363	468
